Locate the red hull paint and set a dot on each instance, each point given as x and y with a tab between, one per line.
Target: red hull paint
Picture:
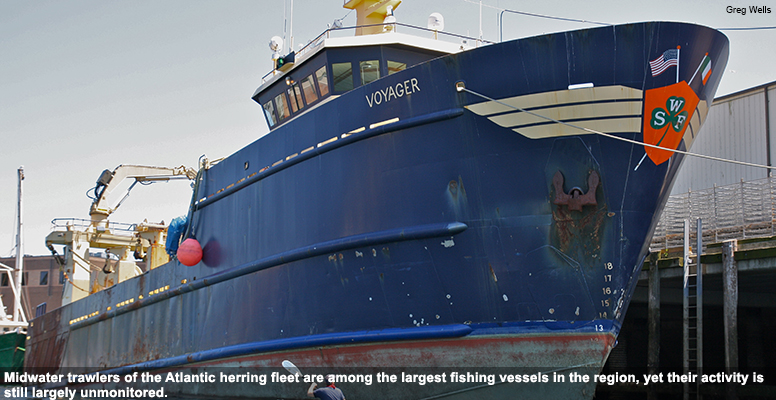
481	356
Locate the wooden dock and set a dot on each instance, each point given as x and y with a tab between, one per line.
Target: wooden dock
734	321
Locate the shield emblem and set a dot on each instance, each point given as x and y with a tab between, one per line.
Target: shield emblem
667	111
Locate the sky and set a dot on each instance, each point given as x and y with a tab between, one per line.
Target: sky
87	85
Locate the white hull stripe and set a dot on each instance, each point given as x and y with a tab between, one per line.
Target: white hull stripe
568	113
610	109
609	125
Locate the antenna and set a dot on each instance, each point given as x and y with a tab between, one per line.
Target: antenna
291	29
436	22
288	24
480	20
389	20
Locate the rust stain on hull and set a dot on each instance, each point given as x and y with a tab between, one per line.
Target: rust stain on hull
578	220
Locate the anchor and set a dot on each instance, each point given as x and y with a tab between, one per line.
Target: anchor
575	200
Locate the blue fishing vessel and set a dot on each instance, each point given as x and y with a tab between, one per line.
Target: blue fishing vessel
418	204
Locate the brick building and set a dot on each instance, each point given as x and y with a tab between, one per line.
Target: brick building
41	283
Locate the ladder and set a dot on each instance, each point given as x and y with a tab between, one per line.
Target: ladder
692	317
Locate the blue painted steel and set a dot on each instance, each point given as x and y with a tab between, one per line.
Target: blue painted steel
523	264
333	339
328	339
337	245
545	327
368	133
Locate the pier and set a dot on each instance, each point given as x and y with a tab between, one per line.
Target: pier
716	317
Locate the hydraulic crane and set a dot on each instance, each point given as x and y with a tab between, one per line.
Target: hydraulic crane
126	242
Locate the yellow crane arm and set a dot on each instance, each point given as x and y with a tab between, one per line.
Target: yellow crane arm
109	180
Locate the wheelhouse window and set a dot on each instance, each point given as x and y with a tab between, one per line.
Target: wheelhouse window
282	106
295	95
269	111
323	81
370	71
343	76
294	106
308	87
395	66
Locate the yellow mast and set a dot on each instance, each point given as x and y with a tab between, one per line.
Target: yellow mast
370	12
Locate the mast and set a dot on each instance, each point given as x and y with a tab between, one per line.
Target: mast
17	302
291	28
480	37
370	12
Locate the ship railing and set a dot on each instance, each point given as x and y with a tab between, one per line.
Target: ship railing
743	210
465	41
80	224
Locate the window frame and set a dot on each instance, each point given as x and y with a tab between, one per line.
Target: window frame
311	82
388	66
338	86
286	107
295	97
272	118
325	77
362	72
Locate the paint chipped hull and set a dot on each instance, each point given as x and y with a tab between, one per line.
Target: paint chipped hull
492	366
459	235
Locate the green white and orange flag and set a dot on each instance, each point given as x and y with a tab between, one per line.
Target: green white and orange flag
705	68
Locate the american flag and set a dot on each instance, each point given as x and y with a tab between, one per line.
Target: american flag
667	59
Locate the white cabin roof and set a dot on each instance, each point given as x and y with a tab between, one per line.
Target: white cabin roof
425	43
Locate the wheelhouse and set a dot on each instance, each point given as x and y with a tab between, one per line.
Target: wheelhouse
333	66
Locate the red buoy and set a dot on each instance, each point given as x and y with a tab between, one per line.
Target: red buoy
189	252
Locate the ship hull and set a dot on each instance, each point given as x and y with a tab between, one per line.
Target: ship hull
496	367
438	228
